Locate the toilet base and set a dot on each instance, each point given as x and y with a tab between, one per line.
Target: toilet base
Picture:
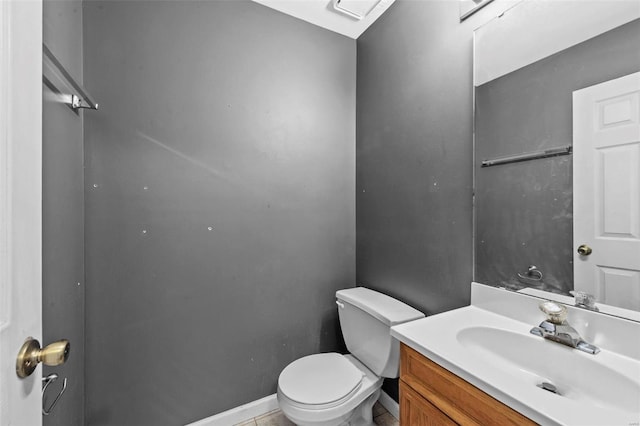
363	415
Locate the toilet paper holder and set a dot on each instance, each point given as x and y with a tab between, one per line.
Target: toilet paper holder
46	381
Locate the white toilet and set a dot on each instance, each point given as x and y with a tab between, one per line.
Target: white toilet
331	389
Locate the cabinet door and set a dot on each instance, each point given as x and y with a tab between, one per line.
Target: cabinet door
417	411
455	397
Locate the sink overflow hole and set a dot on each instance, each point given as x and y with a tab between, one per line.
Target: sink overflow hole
550	387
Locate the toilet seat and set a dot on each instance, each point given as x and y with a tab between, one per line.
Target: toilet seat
320	381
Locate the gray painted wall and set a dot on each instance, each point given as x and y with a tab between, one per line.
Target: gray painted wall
524	211
219	198
414	155
63	217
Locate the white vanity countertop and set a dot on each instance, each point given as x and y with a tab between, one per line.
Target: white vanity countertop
590	396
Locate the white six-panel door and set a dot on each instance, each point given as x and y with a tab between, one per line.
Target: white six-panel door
606	190
20	204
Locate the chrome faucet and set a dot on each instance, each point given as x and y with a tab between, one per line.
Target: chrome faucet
557	329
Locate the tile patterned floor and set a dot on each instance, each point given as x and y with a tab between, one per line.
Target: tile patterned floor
381	417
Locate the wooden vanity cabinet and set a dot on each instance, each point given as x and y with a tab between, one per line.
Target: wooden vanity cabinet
431	395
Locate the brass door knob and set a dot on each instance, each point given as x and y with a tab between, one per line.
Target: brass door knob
30	355
584	250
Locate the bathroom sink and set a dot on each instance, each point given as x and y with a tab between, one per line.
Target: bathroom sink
534	361
489	345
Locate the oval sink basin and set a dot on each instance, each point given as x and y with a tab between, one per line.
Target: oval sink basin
574	374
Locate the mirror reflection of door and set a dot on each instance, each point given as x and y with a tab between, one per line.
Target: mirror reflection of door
523	212
606	182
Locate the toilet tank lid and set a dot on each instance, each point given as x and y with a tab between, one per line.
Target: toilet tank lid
385	308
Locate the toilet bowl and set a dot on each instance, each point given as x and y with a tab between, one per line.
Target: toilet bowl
332	389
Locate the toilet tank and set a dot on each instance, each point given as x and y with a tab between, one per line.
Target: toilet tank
366	318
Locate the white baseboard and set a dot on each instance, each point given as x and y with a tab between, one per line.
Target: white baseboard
270	403
241	413
387	402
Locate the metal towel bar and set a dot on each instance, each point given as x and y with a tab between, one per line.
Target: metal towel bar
62	83
552	152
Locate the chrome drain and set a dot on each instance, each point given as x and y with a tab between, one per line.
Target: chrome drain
549	387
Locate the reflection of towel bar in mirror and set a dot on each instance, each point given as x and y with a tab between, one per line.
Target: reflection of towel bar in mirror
62	83
552	152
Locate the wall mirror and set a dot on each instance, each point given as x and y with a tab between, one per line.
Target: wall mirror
531	141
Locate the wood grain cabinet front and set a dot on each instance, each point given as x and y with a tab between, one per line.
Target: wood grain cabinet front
417	411
432	395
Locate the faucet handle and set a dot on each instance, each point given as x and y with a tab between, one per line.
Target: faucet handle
556	314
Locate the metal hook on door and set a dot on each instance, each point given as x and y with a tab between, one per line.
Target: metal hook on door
46	381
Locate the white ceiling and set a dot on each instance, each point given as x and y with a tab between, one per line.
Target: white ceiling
323	14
